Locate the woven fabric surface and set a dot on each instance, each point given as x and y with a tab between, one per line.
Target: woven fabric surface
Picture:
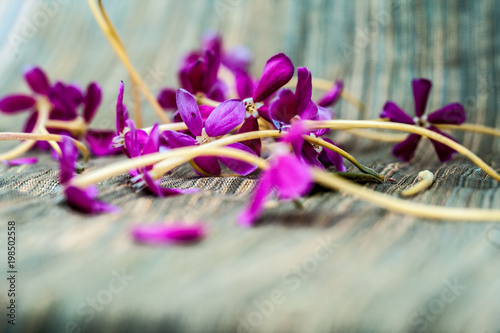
339	264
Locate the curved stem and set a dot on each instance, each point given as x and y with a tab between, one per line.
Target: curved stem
388	137
348	124
201	99
77	126
43	109
344	154
110	33
402	206
52	143
425	179
42	137
377	136
471	128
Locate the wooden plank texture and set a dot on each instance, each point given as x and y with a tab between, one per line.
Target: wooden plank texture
339	265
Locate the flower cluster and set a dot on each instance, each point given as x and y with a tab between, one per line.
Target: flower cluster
222	119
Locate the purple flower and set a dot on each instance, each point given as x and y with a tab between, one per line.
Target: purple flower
453	113
288	175
67	100
83	200
289	106
21	161
158	234
221	121
198	74
277	72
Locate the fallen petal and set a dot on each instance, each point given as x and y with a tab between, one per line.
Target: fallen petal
69	155
21	161
291	176
163	234
252	211
84	201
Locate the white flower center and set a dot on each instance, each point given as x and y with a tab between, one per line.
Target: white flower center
316	147
421	121
204	138
251	107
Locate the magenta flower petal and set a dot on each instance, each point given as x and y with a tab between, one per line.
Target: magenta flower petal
405	150
264	186
284	107
167	99
303	92
213	63
453	113
21	161
244	84
175	139
101	142
153	143
209	164
444	152
392	111
241	168
69	155
421	90
37	80
332	158
292	177
309	155
238	58
218	91
251	124
93	98
323	114
65	99
121	110
154	187
135	139
277	72
189	111
333	95
212	40
30	123
310	112
205	111
226	117
163	234
16	102
85	200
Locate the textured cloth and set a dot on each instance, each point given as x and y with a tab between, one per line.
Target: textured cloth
338	265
